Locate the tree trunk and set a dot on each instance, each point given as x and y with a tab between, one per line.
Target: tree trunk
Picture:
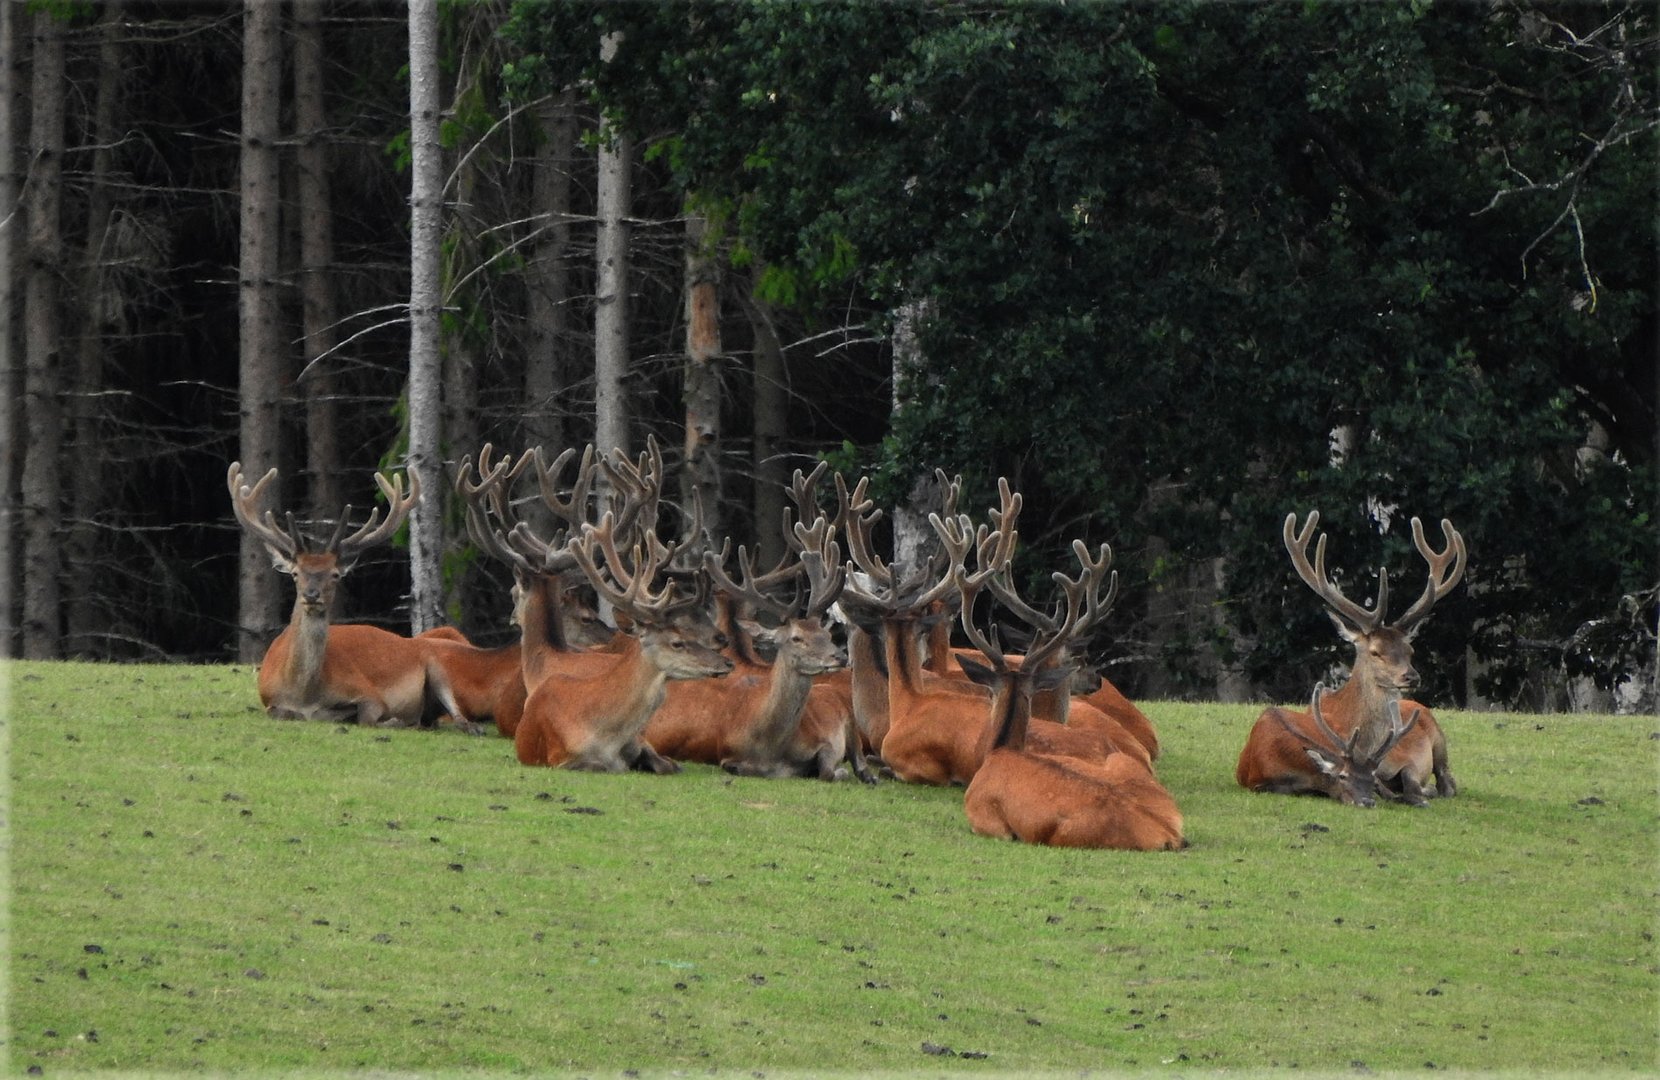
700	479
549	286
87	608
911	532
771	423
42	327
318	306
426	530
11	381
611	254
261	337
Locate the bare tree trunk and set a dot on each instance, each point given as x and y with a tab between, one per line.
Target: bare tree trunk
426	529
319	310
771	421
549	286
911	533
700	479
611	318
43	332
11	381
85	607
262	345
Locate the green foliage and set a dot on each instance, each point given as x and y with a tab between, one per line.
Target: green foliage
189	896
1167	248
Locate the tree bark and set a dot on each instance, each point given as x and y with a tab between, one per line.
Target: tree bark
549	286
911	532
11	381
700	479
43	332
259	307
771	423
611	287
319	309
87	606
426	531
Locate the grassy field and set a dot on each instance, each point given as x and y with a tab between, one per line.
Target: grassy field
195	887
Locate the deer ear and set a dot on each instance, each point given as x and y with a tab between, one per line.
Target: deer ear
1321	761
280	561
624	621
976	671
1344	628
1050	678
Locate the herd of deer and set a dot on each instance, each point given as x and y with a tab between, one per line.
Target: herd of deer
740	668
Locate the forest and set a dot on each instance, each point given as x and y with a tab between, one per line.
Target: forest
1176	269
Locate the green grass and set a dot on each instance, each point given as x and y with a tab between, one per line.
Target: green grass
196	887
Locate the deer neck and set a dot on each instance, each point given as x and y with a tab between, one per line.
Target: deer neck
786	698
632	690
537	633
1369	712
1011	714
870	686
904	654
308	635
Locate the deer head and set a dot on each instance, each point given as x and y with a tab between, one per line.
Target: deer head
1344	773
1383	651
317	570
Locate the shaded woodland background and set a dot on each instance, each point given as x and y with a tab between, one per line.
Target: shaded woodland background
1177	269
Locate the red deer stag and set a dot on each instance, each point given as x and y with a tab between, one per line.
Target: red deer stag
758	721
1042	783
555	626
1382	672
593	719
925	729
1294	753
314	670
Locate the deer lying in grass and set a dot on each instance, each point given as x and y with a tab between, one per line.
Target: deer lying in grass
1054	790
1365	709
347	671
592	717
1293	753
762	720
936	725
553	620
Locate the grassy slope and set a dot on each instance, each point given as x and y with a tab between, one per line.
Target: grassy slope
195	886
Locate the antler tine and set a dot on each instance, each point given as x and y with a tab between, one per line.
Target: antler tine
857	516
634	574
573	508
1337	742
969	585
1441	581
1334	744
1096	605
752	590
244	501
475	496
1397	732
821	560
398	507
636	486
1315	576
957	537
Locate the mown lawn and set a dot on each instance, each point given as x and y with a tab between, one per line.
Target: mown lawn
195	887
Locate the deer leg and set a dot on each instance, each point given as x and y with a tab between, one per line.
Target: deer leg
641	757
1412	792
438	699
855	756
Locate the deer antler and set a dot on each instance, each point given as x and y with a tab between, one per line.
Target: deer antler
1441	581
634	574
245	505
488	496
1296	543
289	544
